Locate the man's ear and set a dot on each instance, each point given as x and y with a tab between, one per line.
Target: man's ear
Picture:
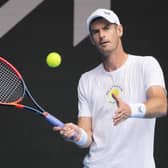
120	30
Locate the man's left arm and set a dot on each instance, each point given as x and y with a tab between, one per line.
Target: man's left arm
156	103
155	106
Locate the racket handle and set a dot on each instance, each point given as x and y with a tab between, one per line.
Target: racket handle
53	120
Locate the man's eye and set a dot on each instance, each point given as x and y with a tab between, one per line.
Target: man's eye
94	31
107	27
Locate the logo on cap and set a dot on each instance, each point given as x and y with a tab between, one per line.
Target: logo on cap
107	13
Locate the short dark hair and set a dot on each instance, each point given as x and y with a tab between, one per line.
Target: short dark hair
97	18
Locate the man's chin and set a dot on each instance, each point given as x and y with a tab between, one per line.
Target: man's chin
105	53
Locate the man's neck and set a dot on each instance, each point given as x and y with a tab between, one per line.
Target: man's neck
115	61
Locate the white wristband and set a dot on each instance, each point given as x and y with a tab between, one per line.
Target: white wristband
138	110
83	139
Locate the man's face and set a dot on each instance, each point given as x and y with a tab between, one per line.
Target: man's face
105	36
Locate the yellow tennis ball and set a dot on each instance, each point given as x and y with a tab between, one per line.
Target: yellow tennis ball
53	59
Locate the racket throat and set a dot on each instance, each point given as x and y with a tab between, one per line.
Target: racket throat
19	106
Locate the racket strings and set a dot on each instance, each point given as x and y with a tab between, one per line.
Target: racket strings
11	87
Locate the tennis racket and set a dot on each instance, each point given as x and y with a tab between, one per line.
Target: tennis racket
13	90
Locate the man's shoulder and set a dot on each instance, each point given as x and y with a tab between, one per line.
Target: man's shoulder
94	71
91	74
142	58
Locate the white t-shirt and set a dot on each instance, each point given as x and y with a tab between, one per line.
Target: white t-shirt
130	143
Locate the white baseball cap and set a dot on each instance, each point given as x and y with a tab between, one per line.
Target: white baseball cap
107	14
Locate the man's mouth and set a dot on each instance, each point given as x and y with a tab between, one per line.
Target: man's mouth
103	43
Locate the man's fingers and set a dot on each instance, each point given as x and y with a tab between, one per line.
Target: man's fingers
69	131
117	99
57	128
119	116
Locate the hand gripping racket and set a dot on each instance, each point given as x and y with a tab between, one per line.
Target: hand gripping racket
13	90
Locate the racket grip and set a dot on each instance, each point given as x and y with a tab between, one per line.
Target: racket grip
53	120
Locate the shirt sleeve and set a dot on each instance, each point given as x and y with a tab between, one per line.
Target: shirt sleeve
83	96
153	73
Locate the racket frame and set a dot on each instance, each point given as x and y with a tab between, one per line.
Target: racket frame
40	111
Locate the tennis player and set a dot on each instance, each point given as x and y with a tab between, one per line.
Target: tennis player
119	101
